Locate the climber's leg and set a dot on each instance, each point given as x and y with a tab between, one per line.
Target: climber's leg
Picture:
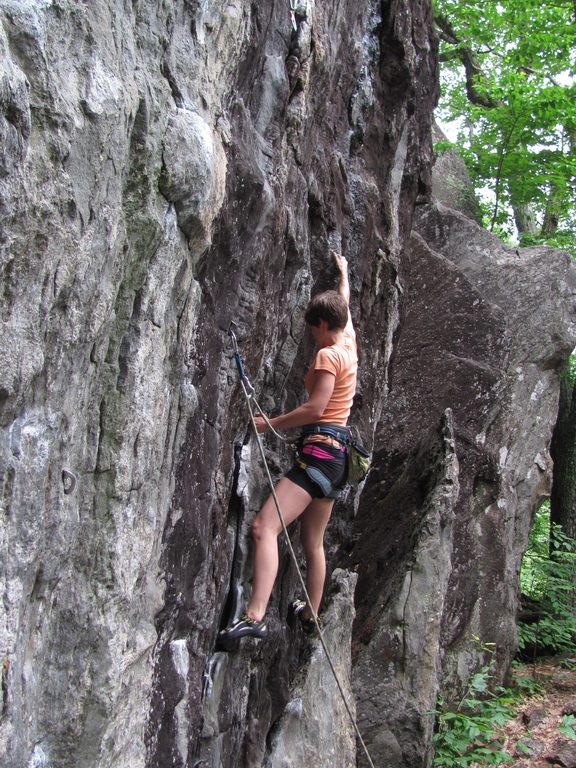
266	527
312	528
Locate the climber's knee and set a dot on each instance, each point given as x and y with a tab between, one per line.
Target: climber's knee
262	528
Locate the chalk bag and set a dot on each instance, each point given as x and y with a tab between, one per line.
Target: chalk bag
358	462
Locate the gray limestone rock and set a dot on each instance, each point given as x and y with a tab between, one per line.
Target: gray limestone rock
193	175
468	334
316	727
167	168
451	183
397	669
563	754
527	746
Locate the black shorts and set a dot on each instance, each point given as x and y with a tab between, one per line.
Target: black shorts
324	473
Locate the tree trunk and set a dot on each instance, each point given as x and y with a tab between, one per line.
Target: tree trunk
555	205
563	450
525	220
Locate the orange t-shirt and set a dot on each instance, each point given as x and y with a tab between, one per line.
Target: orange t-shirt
341	360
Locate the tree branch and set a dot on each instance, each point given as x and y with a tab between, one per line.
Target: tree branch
472	69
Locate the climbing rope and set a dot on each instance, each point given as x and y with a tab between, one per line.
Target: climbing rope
249	395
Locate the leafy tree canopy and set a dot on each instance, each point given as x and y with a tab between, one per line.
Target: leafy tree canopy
507	71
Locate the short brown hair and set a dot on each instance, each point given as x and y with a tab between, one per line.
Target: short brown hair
328	306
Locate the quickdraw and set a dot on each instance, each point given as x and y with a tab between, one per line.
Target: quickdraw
247	388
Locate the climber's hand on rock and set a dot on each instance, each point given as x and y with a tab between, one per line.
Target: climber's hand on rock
340	261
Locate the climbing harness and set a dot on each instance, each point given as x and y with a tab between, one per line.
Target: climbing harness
249	395
358	458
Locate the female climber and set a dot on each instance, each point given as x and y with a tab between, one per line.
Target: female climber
310	488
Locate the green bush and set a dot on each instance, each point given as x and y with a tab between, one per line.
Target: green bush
548	576
467	730
568	726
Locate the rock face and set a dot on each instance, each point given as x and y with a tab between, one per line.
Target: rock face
451	183
450	501
170	167
309	733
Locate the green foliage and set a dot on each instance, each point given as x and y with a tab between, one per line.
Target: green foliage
568	726
571	370
533	574
564	240
464	738
467	730
548	575
526	685
441	147
517	111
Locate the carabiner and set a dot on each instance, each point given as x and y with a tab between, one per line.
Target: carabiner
239	363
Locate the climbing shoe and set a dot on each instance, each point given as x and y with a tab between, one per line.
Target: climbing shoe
297	608
245	626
